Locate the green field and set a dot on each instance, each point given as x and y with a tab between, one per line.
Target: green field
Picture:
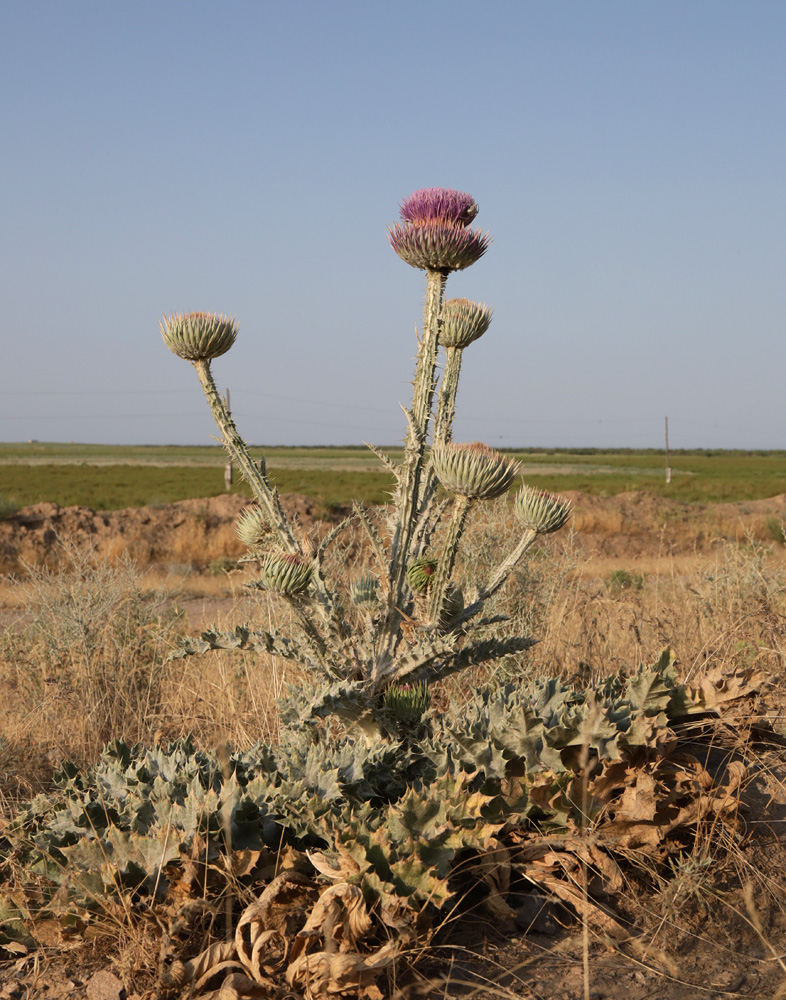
108	477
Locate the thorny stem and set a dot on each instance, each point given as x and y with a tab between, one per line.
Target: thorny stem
446	405
414	452
446	414
236	446
447	559
503	571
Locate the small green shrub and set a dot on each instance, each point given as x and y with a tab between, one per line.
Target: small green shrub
776	530
8	507
623	579
222	565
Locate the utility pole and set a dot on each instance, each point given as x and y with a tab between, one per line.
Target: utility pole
668	467
228	466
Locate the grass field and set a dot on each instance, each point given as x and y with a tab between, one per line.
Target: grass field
107	477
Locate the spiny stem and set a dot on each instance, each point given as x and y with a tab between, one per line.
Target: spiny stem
446	405
446	414
447	559
236	446
414	451
501	574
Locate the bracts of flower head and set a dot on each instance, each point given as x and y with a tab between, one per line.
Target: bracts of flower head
198	336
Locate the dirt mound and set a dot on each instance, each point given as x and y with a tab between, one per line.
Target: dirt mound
640	524
196	532
189	531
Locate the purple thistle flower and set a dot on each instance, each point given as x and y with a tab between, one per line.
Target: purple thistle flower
437	245
439	204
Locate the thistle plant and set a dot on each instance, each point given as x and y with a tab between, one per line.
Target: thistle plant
416	626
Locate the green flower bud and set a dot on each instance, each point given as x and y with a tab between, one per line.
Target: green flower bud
473	470
541	511
198	336
408	702
363	592
284	573
420	573
462	321
251	527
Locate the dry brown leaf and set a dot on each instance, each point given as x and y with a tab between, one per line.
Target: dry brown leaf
323	974
345	867
565	852
718	687
282	907
217	974
242	862
493	869
239	987
339	916
568	892
186	972
650	809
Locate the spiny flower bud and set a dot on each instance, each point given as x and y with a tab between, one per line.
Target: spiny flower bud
363	592
198	336
420	573
408	702
445	204
462	321
541	511
473	470
284	573
251	526
437	245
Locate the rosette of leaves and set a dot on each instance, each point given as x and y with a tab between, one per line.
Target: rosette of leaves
198	336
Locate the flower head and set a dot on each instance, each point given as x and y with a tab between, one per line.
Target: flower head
473	470
284	573
408	702
462	321
541	511
252	527
198	336
438	245
439	204
420	573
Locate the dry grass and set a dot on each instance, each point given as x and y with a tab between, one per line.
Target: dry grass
85	661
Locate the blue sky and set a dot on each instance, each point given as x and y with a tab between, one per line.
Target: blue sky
628	159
